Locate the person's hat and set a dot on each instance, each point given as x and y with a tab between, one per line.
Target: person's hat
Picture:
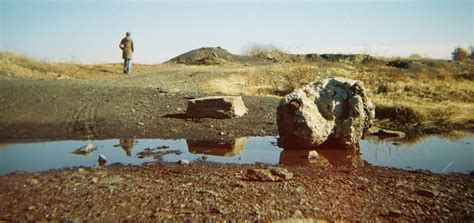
128	34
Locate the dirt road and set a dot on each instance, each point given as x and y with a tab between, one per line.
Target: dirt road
117	108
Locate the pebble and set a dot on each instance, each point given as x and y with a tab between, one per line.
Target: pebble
394	213
102	159
95	180
313	154
426	193
183	162
34	181
363	179
213	193
140	123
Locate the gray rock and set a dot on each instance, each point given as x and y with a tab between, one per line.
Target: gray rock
334	110
269	174
394	213
102	159
426	192
85	149
218	107
183	162
213	193
385	133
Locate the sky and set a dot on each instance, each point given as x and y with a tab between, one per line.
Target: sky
89	31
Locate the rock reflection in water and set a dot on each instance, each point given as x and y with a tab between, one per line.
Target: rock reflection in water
219	147
127	145
327	156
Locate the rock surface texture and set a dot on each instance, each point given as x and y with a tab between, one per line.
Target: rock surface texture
216	107
335	110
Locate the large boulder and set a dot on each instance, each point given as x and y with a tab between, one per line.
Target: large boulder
216	107
335	110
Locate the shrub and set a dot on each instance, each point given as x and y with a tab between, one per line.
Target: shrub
266	51
398	114
459	54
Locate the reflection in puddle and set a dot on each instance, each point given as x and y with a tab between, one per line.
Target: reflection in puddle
431	153
224	147
326	157
127	145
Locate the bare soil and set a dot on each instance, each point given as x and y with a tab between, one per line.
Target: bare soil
206	191
153	106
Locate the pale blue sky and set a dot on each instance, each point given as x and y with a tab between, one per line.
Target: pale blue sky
88	31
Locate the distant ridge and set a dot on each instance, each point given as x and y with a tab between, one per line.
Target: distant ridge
218	55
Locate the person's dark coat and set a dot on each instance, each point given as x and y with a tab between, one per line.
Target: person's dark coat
127	47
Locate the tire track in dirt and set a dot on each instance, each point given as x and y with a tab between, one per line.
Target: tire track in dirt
83	120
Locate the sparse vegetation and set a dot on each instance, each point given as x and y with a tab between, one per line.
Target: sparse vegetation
427	92
266	51
460	54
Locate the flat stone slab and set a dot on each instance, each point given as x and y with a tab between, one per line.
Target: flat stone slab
218	107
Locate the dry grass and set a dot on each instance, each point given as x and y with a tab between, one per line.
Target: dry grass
433	93
18	66
266	51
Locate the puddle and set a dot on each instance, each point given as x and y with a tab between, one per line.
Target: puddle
432	153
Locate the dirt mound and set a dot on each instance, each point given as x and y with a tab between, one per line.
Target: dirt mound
350	58
205	56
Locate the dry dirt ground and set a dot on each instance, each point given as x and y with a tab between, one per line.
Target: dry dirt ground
119	107
212	192
153	106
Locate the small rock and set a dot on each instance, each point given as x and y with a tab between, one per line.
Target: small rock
299	190
297	214
213	193
222	133
102	159
81	170
34	181
217	107
385	133
395	213
85	149
282	173
133	110
95	180
426	192
140	123
269	174
260	175
183	162
313	154
363	179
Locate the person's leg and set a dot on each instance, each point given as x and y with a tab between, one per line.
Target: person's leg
129	69
124	66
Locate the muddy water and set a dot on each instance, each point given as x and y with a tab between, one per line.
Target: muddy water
432	153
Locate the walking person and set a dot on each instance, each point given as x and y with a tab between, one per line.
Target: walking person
127	49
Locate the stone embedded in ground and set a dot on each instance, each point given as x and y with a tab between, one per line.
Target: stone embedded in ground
394	213
269	174
335	110
102	159
85	149
313	154
385	133
216	107
183	162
